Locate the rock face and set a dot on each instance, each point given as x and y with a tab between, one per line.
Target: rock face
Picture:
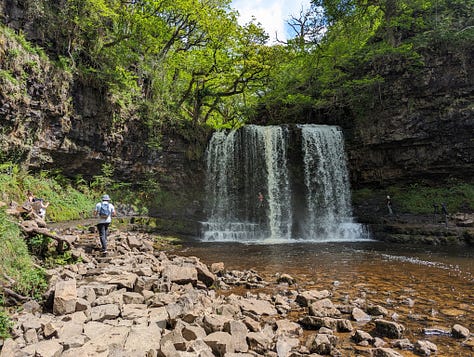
420	126
416	125
51	119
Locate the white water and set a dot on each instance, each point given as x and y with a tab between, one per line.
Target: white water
254	159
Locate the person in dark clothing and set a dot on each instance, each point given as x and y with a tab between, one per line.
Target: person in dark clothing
444	211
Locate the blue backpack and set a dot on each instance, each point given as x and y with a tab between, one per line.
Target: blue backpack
104	210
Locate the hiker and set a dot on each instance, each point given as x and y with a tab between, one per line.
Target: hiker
29	196
38	206
389	205
42	207
444	211
105	210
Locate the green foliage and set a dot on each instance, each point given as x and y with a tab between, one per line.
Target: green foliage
54	260
66	202
419	198
6	323
349	48
16	262
39	245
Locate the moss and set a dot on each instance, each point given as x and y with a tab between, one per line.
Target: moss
420	198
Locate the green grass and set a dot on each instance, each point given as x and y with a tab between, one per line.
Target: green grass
66	202
16	262
419	198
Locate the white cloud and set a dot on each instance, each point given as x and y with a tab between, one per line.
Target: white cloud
271	14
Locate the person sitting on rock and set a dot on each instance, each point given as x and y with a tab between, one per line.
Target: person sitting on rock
39	207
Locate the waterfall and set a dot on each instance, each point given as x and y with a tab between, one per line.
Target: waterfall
303	179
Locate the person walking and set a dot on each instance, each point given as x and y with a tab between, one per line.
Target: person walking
104	210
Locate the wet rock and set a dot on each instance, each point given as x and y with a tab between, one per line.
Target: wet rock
389	329
323	308
459	331
359	315
424	348
306	298
377	310
385	352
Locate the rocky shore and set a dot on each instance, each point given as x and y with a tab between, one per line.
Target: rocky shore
139	301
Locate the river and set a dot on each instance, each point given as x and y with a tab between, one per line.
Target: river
423	287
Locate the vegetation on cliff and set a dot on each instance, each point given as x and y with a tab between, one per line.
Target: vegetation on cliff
346	53
169	62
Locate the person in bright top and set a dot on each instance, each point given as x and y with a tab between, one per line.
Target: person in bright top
104	210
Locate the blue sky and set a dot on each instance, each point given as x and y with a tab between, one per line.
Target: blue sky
272	14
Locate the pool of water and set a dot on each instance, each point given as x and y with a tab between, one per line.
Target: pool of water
421	286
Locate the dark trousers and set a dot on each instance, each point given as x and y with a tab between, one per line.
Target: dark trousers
103	231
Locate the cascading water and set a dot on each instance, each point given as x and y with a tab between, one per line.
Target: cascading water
306	189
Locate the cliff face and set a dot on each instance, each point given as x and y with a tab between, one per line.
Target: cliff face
52	120
419	127
416	128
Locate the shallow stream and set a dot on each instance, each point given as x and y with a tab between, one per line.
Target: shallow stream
421	286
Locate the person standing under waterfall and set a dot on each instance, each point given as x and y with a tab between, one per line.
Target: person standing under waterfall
389	205
260	199
105	210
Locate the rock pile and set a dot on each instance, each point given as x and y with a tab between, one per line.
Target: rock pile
140	302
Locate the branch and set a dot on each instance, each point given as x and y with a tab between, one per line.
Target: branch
10	293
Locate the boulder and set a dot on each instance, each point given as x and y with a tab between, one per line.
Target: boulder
257	307
306	298
238	331
180	274
459	331
424	348
323	308
65	297
220	342
389	329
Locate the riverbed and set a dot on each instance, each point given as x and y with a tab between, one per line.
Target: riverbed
426	288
